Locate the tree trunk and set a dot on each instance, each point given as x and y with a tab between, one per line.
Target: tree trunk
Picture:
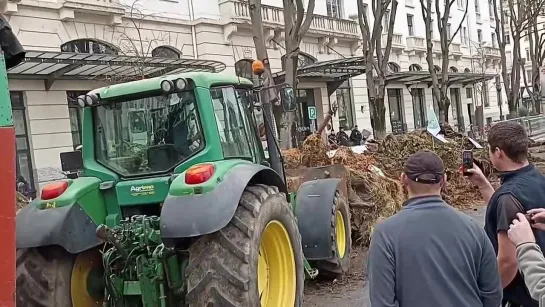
288	120
446	103
379	119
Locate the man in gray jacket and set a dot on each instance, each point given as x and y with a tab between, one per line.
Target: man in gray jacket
429	254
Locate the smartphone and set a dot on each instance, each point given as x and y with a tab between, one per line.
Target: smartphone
467	161
529	218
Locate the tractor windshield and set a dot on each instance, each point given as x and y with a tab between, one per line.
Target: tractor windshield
147	135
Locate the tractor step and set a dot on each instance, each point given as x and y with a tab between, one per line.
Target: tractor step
310	271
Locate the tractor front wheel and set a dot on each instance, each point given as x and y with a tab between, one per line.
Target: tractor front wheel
51	277
341	233
256	260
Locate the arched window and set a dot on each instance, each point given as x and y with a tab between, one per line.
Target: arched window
415	67
467	70
437	68
90	46
243	69
453	69
304	59
166	52
393	67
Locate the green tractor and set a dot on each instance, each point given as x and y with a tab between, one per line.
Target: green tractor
196	216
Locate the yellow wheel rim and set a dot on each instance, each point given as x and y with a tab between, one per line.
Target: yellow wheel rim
276	273
340	232
87	282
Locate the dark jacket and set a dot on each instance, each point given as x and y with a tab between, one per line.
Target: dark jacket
355	137
432	255
527	185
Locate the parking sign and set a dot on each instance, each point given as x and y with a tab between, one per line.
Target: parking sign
311	113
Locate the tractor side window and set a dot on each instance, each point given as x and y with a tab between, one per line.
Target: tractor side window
234	139
245	103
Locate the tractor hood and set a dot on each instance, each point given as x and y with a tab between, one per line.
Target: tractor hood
142	191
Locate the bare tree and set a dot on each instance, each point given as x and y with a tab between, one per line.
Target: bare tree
296	24
267	97
440	88
536	41
377	57
133	40
518	16
480	64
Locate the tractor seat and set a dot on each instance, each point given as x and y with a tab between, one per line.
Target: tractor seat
162	157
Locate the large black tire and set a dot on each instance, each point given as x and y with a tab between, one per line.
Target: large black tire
337	266
43	277
222	270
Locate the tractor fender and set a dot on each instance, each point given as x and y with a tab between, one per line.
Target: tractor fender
200	214
313	209
69	227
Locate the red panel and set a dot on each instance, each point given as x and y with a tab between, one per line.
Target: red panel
7	217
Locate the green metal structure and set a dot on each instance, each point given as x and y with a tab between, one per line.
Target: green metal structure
189	212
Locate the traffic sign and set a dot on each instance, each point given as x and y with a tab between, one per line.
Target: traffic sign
311	113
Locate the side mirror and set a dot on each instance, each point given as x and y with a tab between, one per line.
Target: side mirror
287	98
71	161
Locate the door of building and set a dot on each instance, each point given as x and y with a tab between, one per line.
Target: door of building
419	108
397	114
457	111
305	125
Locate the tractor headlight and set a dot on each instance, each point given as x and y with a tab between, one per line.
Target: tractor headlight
91	99
81	101
167	86
181	84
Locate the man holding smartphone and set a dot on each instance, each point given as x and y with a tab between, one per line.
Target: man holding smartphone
522	189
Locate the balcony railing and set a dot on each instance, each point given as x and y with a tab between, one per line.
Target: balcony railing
455	49
491	51
274	16
397	41
416	43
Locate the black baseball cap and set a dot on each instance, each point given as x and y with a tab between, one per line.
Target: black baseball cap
424	167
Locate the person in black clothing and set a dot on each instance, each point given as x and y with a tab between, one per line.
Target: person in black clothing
342	137
332	139
355	136
522	189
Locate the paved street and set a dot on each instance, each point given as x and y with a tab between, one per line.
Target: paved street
353	292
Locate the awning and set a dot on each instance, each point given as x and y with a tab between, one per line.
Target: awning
51	66
334	72
414	77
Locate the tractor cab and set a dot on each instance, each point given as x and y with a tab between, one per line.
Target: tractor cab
158	127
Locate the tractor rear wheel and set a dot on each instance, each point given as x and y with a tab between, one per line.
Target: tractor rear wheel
256	260
341	232
51	277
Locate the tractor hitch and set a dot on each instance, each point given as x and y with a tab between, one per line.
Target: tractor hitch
139	267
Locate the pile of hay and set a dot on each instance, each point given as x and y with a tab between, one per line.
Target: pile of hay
393	151
373	197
